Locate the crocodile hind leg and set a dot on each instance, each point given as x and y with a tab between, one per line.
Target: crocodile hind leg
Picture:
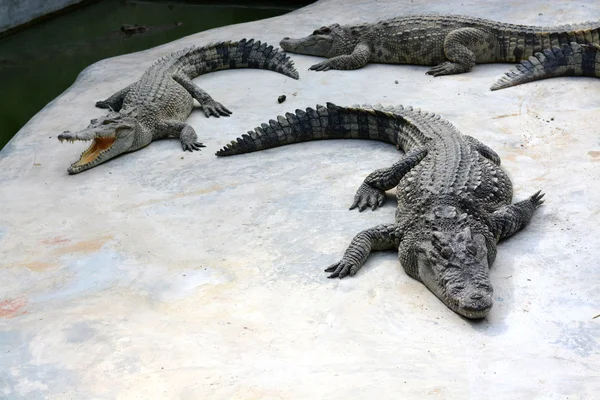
115	102
372	191
208	104
185	133
511	218
380	237
461	47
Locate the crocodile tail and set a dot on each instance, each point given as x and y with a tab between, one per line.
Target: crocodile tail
232	55
324	122
520	42
566	60
582	33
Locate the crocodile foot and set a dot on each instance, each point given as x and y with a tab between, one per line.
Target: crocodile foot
215	108
536	199
342	268
192	146
368	196
322	66
447	68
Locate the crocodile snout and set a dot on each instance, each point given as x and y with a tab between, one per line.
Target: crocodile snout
477	306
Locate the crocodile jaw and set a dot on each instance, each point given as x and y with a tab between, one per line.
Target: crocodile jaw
110	136
312	45
103	147
472	302
462	283
97	153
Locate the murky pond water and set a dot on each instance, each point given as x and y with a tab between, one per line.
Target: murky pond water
38	64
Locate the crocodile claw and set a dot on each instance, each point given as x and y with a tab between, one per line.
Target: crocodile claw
536	199
447	68
322	66
216	109
341	269
192	146
367	196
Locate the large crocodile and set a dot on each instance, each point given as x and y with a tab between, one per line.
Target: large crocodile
157	105
452	43
454	200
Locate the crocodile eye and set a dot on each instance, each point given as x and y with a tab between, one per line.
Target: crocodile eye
446	252
322	30
106	122
471	248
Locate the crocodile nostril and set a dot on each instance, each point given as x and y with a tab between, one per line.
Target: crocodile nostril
286	38
476	296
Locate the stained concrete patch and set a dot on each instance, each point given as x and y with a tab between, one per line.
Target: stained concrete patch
178	275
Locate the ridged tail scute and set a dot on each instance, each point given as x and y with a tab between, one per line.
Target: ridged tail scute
232	55
567	60
324	122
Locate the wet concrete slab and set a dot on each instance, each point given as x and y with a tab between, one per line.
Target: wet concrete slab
164	274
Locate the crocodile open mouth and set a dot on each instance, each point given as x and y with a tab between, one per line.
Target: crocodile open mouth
99	145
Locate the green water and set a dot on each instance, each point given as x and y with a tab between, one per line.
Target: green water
38	64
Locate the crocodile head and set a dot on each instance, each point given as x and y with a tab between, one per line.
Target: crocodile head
327	41
453	262
110	135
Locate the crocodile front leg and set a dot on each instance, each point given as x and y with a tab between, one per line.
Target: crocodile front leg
380	237
509	219
460	46
115	102
358	59
208	104
185	133
372	191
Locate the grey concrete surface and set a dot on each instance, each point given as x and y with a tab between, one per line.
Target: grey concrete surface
186	276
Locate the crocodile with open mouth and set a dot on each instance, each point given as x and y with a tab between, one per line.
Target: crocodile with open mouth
157	105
